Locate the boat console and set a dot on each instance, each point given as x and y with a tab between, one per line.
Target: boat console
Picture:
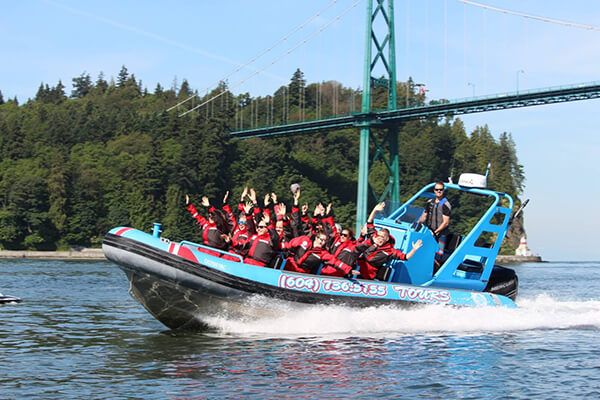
469	259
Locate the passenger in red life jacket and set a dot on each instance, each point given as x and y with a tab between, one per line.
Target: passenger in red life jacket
228	213
341	241
214	232
309	254
295	219
282	223
258	213
262	245
305	221
344	247
308	225
318	222
242	233
379	249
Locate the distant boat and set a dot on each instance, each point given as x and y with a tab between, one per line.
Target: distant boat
182	286
4	299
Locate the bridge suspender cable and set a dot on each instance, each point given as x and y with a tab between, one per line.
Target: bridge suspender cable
536	17
277	43
253	59
289	51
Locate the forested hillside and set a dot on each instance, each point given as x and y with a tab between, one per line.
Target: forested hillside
74	165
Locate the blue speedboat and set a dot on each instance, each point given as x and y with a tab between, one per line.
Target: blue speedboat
183	287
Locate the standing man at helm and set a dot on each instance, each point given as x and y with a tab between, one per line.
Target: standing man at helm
437	216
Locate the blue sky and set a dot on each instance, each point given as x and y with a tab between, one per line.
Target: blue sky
457	50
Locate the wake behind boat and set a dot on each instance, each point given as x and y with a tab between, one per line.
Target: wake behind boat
182	286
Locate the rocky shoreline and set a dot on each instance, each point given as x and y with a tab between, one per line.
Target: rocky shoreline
518	259
97	254
84	254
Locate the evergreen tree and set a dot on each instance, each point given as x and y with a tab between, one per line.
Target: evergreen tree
184	91
82	85
43	93
131	88
296	88
1	98
101	84
57	190
508	160
176	222
123	77
57	94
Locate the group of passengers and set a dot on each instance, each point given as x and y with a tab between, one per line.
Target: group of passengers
311	244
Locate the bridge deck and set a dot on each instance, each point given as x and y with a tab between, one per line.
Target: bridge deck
384	118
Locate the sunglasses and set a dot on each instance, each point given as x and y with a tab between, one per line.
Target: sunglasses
345	234
438	190
322	239
262	226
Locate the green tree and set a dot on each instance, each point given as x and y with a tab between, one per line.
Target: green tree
43	93
158	90
184	91
123	76
296	88
82	85
101	84
57	93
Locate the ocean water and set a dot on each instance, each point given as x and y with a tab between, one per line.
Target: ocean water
79	335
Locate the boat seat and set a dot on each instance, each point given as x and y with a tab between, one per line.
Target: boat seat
319	269
471	266
453	240
385	273
279	262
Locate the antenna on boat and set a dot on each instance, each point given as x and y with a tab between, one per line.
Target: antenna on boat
518	212
487	169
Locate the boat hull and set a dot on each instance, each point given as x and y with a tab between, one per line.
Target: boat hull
184	288
5	299
182	295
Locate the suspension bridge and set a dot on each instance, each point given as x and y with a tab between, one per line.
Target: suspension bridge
380	55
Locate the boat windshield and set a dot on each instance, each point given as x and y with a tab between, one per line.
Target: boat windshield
468	206
413	211
411	214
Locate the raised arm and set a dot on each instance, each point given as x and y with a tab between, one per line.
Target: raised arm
193	212
378	208
415	246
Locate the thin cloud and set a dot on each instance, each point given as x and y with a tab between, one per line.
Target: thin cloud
155	37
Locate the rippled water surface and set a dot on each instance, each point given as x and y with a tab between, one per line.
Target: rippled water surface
78	334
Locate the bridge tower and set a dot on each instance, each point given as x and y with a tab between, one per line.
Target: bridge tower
383	56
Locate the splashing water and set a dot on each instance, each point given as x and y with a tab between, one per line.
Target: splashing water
540	312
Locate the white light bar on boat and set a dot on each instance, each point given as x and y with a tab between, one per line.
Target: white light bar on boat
473	180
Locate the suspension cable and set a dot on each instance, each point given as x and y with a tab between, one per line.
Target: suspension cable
288	52
267	50
531	16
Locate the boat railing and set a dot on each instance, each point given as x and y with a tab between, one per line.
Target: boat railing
212	249
495	223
